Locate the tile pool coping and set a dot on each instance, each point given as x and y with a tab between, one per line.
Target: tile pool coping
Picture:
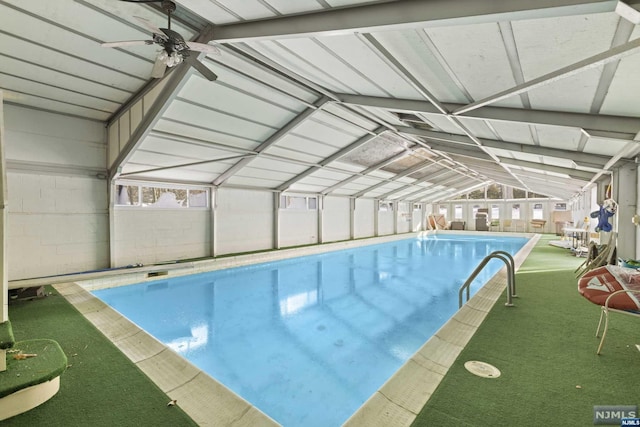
209	403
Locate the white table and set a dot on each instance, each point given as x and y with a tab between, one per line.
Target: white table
578	235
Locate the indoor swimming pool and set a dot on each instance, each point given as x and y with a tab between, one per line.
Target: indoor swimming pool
307	340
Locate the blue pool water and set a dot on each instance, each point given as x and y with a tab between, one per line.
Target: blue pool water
308	340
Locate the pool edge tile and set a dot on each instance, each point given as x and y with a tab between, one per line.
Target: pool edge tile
379	411
411	386
168	370
209	403
139	346
255	418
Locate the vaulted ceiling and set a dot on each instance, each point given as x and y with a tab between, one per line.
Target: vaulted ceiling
398	100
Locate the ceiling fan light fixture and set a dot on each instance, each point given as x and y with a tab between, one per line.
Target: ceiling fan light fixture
175	49
163	56
169	59
173	59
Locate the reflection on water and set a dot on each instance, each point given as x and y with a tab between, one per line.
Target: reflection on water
308	340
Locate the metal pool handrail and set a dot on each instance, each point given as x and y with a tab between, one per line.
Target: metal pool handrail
511	277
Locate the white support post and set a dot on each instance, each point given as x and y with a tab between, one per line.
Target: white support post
396	216
376	217
213	203
4	285
276	220
352	218
320	218
111	190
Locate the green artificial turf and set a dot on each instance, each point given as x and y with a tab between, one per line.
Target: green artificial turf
47	363
545	348
100	387
6	335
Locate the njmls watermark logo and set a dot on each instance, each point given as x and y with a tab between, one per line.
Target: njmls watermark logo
621	415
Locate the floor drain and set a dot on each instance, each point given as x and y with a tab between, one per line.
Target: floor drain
482	369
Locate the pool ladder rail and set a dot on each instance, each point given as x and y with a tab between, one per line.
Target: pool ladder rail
511	276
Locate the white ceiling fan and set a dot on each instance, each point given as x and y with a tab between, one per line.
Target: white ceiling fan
175	49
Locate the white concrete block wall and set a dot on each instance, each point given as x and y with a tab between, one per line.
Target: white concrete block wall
418	219
148	236
244	220
58	216
57	225
364	224
403	217
385	222
335	219
298	227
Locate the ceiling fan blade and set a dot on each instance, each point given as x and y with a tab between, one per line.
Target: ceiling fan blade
148	24
127	43
206	48
202	69
159	67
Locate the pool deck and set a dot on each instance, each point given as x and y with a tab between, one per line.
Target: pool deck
210	403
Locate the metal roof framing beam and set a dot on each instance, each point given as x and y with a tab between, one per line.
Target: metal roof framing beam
592	160
370	41
617	125
601	59
573	173
176	80
367	171
340	153
404	14
275	137
438	175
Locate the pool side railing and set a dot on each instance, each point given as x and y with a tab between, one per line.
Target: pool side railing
511	276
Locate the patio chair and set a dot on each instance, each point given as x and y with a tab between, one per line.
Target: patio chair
615	289
519	224
538	225
437	222
607	308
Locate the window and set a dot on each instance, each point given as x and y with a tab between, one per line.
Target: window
495	211
494	191
442	210
474	210
515	211
385	206
299	202
538	212
519	194
417	207
457	212
127	195
157	196
198	198
560	207
537	196
312	203
478	194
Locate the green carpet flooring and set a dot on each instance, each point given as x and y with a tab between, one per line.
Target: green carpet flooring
545	348
100	387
